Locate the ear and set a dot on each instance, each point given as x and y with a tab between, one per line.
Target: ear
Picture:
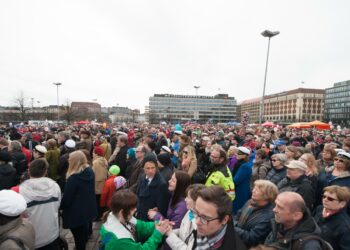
225	220
297	216
342	204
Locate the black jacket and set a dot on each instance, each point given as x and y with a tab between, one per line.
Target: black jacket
154	194
307	226
79	201
231	239
258	225
120	160
302	186
335	229
7	176
19	163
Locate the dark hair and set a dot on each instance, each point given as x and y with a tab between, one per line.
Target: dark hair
261	153
124	200
149	157
38	168
217	195
183	180
4	219
193	190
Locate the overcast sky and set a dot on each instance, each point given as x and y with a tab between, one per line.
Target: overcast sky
122	52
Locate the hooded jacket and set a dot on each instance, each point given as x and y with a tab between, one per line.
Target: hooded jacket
79	201
18	228
307	226
7	176
43	197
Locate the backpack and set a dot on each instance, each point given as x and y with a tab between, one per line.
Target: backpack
299	244
18	241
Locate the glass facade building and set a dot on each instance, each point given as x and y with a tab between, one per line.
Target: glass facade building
179	108
337	103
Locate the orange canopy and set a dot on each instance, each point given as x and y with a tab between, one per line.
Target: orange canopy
320	125
299	125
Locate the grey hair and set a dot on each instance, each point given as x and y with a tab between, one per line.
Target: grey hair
281	157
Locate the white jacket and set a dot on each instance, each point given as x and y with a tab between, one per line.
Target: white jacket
176	239
43	197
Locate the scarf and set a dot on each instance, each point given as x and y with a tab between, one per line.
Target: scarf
205	243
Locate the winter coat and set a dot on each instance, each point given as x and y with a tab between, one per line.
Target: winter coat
18	228
177	237
79	201
154	194
43	197
63	164
118	237
231	240
302	186
335	229
221	175
307	226
257	226
19	163
120	160
242	185
7	176
276	175
53	156
174	214
166	172
107	192
99	166
260	170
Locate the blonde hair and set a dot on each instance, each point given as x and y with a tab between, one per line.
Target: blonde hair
343	193
269	190
311	163
191	154
232	151
77	163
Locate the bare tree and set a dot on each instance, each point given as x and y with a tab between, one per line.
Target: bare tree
21	103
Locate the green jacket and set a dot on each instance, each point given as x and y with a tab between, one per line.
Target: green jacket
222	176
53	156
117	237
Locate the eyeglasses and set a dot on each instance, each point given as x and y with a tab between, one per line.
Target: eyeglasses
204	220
338	159
328	198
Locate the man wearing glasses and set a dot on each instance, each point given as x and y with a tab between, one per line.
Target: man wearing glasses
219	173
214	223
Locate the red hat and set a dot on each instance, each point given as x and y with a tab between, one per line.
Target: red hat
99	151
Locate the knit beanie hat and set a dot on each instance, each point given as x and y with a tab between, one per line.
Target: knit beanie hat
131	153
149	157
114	170
164	159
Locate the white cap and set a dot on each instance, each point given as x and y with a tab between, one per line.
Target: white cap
344	154
70	143
244	150
41	149
297	165
178	132
122	133
166	149
11	203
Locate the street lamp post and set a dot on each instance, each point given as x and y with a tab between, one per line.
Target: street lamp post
58	107
196	112
269	34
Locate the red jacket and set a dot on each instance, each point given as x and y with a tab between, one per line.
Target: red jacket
107	192
28	155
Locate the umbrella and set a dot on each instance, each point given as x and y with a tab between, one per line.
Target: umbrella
268	124
299	125
319	125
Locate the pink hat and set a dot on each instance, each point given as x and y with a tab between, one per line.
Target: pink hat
119	182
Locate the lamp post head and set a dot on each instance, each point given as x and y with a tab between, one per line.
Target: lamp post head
57	83
269	34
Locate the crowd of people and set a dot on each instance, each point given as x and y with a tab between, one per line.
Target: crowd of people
176	187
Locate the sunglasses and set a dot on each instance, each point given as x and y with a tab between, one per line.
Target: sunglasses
328	198
338	159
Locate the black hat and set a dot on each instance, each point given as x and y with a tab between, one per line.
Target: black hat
5	156
164	159
150	157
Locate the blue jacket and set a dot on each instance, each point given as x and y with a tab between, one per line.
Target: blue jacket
79	201
242	185
154	194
